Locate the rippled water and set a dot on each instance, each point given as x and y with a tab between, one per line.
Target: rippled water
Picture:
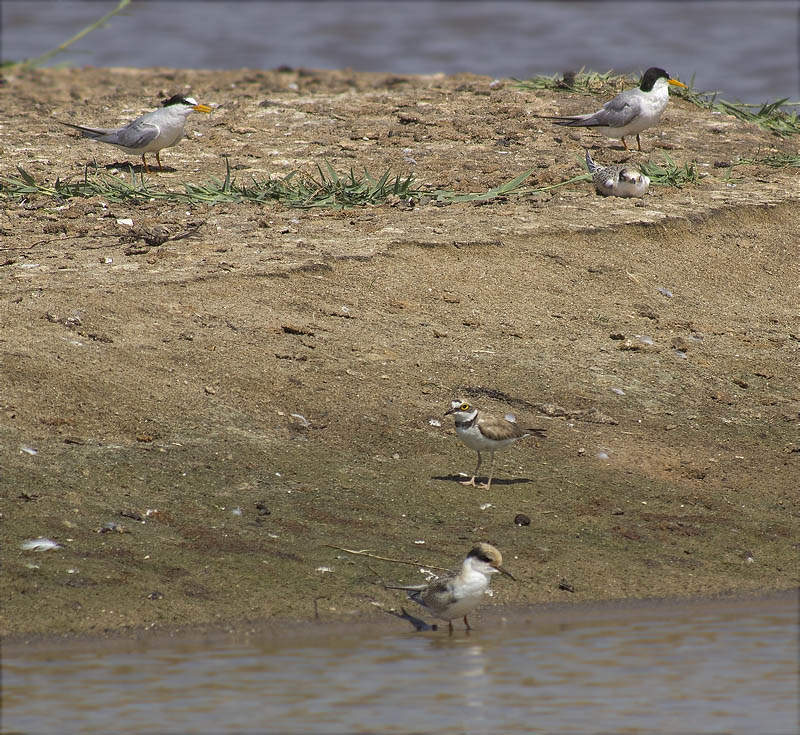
669	667
749	50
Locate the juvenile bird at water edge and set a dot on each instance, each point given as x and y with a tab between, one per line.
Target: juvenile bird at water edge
456	594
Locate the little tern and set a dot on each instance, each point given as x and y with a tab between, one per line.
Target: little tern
631	111
456	594
150	132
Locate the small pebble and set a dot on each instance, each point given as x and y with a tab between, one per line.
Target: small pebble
522	520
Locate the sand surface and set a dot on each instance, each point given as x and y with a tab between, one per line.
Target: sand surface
241	398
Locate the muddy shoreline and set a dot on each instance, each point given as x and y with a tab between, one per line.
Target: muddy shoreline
284	631
209	416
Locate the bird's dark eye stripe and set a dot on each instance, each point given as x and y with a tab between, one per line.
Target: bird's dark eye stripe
484	557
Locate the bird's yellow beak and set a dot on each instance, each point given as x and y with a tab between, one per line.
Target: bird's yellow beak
677	83
206	108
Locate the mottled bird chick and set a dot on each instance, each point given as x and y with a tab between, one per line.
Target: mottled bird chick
617	181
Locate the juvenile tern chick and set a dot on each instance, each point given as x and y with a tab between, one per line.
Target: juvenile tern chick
486	433
631	111
617	181
150	132
456	594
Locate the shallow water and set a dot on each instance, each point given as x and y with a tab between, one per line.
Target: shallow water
749	50
674	667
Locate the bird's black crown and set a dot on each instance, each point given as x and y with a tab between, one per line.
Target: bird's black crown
650	77
176	99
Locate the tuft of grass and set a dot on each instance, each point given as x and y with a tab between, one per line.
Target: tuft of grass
324	188
582	82
774	160
510	187
669	173
772	116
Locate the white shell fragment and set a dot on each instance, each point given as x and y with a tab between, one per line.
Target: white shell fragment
39	544
302	419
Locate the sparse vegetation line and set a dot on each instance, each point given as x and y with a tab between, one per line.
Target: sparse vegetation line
323	188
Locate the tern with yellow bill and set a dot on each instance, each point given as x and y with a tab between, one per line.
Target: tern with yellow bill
149	133
631	111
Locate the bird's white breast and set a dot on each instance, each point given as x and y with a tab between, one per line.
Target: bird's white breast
474	439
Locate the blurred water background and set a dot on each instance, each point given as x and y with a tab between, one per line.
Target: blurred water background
747	50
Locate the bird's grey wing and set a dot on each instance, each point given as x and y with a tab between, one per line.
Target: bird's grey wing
134	135
616	113
499	429
437	594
